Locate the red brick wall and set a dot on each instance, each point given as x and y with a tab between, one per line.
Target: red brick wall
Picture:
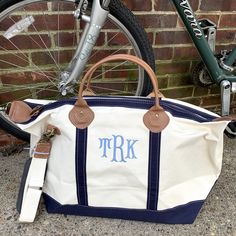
173	49
174	52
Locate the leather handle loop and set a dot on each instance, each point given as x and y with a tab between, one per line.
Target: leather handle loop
155	119
119	57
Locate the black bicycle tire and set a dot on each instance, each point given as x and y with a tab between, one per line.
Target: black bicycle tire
124	15
127	18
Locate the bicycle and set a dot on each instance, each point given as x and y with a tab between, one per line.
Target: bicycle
53	41
50	61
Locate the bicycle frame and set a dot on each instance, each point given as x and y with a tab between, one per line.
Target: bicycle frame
217	72
88	39
94	24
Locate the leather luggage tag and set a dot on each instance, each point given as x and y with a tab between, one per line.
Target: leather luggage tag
20	112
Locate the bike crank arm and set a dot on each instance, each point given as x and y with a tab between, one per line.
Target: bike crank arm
94	24
225	97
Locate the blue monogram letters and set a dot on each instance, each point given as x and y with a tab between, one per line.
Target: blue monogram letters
119	147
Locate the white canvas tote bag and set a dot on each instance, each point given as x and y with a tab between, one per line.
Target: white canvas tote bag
150	159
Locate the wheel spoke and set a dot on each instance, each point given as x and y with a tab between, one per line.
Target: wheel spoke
34	68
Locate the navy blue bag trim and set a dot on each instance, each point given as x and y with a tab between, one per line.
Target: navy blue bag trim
153	170
177	110
80	163
184	214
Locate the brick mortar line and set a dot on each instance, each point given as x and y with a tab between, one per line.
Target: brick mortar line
185	45
181	29
198	12
173	45
174	61
178	45
199	4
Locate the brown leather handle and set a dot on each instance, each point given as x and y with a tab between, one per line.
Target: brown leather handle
155	119
122	57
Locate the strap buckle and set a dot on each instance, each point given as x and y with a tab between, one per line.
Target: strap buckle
50	132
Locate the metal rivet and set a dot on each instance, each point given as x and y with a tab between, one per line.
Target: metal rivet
157	115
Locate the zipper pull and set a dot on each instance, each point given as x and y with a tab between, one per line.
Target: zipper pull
35	111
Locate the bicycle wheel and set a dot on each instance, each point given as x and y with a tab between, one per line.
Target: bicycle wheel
38	39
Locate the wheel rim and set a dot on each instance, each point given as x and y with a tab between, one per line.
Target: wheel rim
24	72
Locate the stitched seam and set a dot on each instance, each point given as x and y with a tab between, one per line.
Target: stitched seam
157	172
84	166
77	166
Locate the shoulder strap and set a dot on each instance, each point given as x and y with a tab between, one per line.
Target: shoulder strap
36	175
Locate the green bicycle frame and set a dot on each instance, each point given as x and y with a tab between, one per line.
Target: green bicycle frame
196	33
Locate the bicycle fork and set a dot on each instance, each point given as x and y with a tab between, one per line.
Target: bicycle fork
94	23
